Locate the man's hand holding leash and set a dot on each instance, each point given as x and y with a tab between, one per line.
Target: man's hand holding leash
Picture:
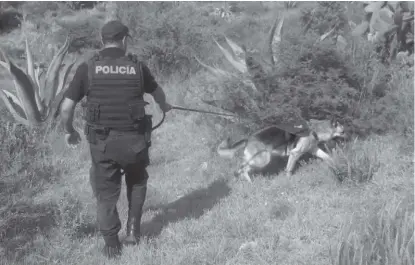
166	107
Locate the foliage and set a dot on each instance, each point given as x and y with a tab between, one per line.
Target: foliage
37	94
312	76
386	239
9	19
390	24
165	41
77	5
324	17
354	163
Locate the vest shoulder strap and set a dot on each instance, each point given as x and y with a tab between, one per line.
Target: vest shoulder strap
90	62
134	58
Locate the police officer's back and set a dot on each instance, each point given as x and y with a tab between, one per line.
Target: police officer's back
117	129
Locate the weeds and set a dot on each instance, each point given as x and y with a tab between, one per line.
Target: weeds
355	162
386	239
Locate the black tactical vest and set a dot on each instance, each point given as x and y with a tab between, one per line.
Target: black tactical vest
115	94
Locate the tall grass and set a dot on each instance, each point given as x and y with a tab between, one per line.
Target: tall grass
355	162
385	239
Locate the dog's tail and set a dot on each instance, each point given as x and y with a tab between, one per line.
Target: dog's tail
225	149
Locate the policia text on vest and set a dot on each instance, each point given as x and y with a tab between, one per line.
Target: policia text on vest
115	69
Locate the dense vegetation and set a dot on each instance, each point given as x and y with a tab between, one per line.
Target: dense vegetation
322	66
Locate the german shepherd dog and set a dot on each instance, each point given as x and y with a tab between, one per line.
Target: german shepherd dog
261	146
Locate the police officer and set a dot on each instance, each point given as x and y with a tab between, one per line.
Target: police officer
117	129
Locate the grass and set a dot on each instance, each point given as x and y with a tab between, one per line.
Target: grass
387	239
196	212
357	162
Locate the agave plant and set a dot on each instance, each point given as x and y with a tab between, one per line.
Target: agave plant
390	23
240	58
37	94
249	70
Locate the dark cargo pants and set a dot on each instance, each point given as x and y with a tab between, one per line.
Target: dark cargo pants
120	150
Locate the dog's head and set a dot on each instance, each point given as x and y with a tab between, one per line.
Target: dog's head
337	129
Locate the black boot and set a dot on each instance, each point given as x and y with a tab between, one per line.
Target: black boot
112	248
133	231
135	209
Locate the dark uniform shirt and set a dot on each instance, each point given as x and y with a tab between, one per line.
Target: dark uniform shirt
79	85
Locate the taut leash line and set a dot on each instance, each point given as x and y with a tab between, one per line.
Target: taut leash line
203	111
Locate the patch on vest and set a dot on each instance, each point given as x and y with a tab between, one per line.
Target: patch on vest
115	69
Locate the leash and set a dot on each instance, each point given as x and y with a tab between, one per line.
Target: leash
203	111
194	110
160	123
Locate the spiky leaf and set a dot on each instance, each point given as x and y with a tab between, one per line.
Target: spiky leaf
24	90
14	106
29	61
239	65
64	76
215	71
278	31
325	35
17	104
37	75
33	76
237	50
275	38
52	74
55	105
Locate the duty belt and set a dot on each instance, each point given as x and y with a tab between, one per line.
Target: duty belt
94	132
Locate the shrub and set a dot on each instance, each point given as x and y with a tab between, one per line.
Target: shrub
315	78
356	162
168	36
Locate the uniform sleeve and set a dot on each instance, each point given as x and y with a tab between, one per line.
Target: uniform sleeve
79	85
150	83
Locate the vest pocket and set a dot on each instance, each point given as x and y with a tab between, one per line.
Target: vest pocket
92	112
93	134
137	110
